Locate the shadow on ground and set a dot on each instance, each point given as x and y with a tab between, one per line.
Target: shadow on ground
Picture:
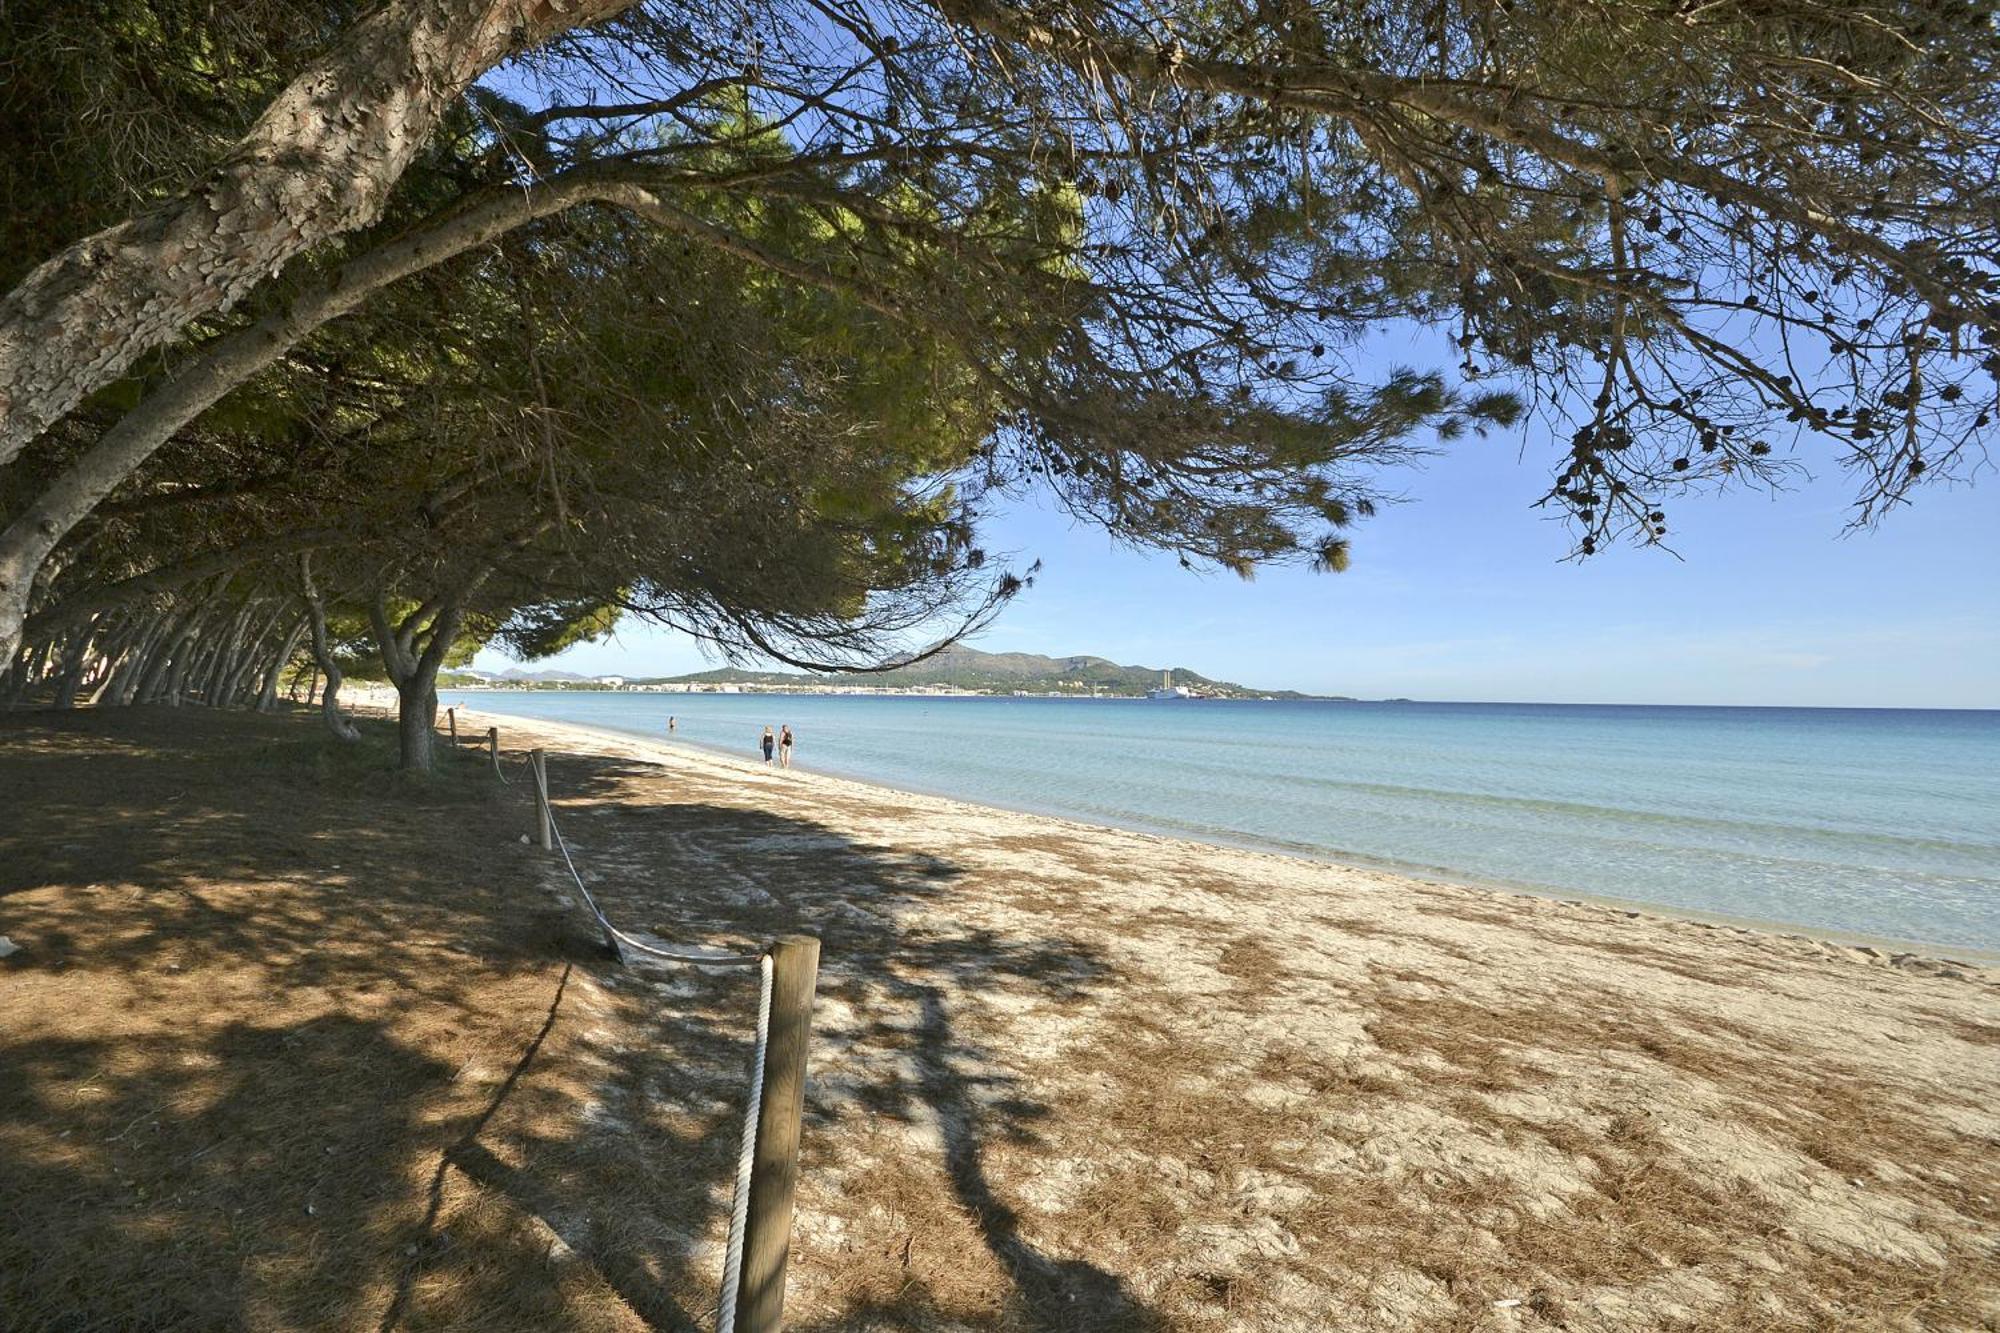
292	1042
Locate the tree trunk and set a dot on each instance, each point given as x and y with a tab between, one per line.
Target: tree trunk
174	688
215	674
414	673
27	668
267	693
26	542
173	638
76	654
322	160
114	662
125	680
200	661
416	725
183	647
12	674
243	664
116	635
197	659
85	602
329	705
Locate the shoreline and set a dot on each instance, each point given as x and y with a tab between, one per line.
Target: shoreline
1281	698
1060	1074
1864	947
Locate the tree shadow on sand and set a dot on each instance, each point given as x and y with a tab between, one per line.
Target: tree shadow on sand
295	1053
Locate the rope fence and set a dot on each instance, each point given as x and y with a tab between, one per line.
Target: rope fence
767	1167
492	742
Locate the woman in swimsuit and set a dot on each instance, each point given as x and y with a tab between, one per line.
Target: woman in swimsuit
769	743
785	748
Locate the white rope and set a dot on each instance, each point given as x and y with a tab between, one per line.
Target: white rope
620	940
739	1209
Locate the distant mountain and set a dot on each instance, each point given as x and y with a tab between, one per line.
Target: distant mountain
970	669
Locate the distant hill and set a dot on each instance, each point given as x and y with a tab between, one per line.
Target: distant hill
970	669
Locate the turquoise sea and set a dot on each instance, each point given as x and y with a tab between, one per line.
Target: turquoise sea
1863	821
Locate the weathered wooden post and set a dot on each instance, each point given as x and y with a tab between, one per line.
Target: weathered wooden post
493	751
774	1172
538	761
451	719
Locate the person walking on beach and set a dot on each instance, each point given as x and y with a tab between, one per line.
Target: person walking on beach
785	747
769	743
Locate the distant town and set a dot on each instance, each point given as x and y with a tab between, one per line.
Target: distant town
477	681
963	672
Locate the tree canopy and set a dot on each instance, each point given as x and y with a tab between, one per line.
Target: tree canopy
737	316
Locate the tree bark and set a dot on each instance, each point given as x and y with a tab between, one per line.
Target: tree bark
75	655
145	685
244	662
173	687
329	704
415	673
184	675
216	670
267	693
177	649
322	160
118	635
126	684
26	542
164	578
117	689
27	668
416	725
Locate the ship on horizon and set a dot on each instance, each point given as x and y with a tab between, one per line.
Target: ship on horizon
1169	690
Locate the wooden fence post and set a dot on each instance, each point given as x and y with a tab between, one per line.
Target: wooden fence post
451	718
539	762
774	1172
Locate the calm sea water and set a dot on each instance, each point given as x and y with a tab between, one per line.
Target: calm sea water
1878	822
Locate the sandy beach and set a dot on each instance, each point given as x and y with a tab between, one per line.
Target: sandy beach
1074	1078
1273	1094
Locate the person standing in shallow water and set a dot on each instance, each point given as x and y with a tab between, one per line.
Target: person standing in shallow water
670	724
785	748
769	743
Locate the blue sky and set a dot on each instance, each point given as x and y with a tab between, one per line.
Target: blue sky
1461	592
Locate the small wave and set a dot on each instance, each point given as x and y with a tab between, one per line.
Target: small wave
1670	818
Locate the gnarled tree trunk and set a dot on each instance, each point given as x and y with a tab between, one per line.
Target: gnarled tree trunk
267	692
320	161
125	681
34	532
214	677
27	670
414	672
76	654
416	723
329	705
243	663
146	686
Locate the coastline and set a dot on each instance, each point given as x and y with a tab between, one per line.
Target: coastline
1060	1075
1194	1068
1862	946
